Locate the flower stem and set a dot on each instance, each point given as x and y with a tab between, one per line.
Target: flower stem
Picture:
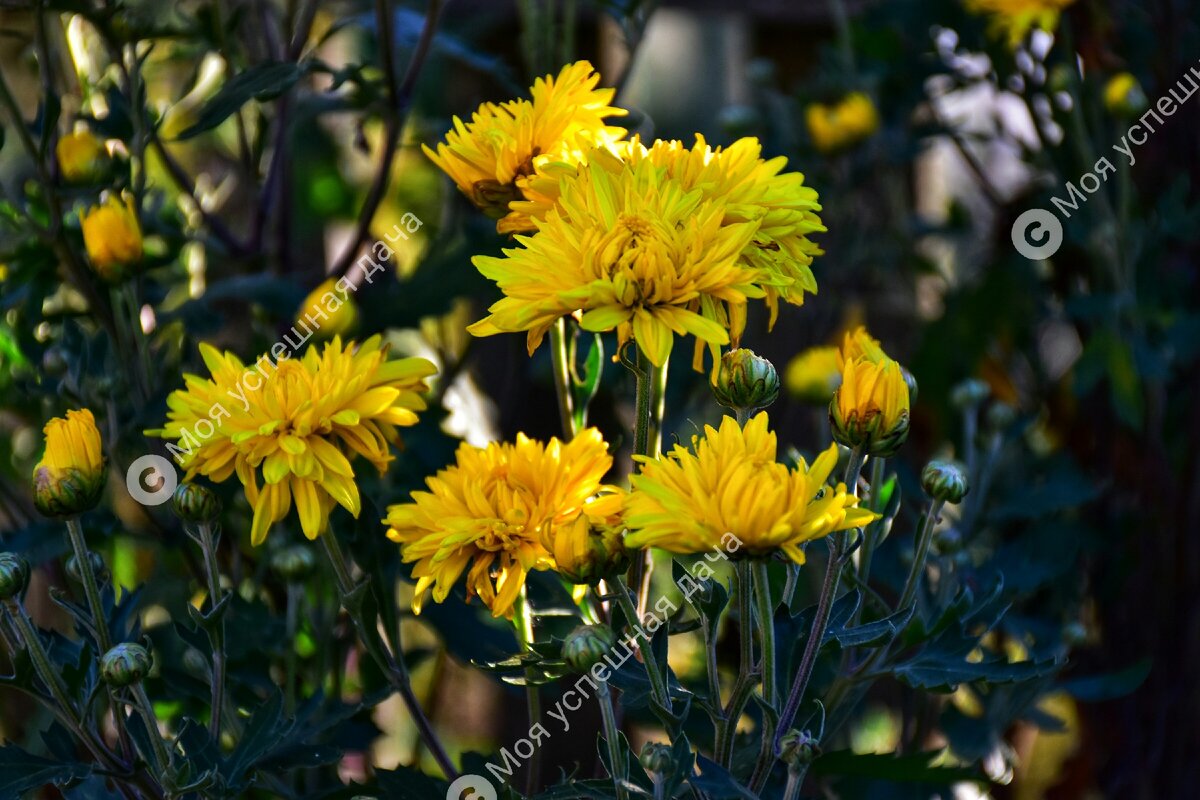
658	683
648	412
392	668
533	700
90	588
765	612
562	377
924	537
611	731
794	782
723	746
216	633
295	594
143	705
833	570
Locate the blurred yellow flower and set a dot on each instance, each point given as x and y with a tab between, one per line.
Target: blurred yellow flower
1014	19
69	478
730	483
1123	95
752	190
858	344
870	409
633	251
491	157
592	547
336	321
813	375
490	512
113	237
291	434
842	124
81	157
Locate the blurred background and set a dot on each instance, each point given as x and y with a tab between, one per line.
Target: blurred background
1093	506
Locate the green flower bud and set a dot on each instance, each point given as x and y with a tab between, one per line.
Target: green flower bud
586	645
14	576
193	502
99	568
970	392
294	563
657	759
1000	416
125	665
746	381
945	480
798	749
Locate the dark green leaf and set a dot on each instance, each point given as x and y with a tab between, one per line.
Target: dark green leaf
1096	688
260	82
22	772
917	767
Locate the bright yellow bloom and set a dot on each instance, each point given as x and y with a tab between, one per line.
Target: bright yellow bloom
1123	95
1013	19
752	190
81	157
842	124
813	375
290	434
631	250
870	409
69	478
591	547
113	237
491	157
730	483
339	316
489	514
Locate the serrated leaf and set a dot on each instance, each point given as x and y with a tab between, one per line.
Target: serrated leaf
22	771
941	675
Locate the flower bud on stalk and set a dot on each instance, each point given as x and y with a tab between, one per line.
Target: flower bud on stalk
1000	416
798	749
592	547
70	477
82	157
869	412
657	759
970	392
99	568
113	238
745	381
193	502
125	665
14	576
294	564
586	645
945	481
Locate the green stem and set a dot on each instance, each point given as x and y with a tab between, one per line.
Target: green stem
295	593
216	633
612	739
658	682
90	588
533	700
562	377
143	705
765	612
737	701
871	535
727	728
393	668
794	782
648	412
924	537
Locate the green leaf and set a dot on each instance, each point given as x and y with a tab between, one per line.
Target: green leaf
585	388
22	772
871	633
936	673
261	82
917	767
716	782
1096	688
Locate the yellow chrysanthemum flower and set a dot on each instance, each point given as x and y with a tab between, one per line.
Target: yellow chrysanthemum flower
299	427
489	513
490	157
633	251
842	124
752	190
1014	19
113	237
70	477
81	157
814	374
870	409
730	483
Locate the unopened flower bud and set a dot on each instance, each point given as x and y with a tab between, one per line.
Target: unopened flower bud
1000	416
870	411
193	502
99	569
586	645
798	749
294	563
746	381
82	157
657	759
14	576
945	480
592	547
70	477
970	392
125	665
